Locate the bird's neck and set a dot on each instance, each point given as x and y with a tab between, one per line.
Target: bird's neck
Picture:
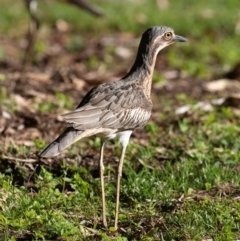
143	67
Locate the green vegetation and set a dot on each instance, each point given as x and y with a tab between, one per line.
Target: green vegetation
181	173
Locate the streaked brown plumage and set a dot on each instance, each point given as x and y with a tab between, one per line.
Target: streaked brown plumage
116	109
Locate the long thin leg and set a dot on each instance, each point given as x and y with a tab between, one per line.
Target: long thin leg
101	165
119	175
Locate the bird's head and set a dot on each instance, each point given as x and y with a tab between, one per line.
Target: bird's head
159	37
153	40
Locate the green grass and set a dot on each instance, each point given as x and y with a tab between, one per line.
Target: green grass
180	183
197	187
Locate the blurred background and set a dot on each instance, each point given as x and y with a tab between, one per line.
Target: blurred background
53	52
66	29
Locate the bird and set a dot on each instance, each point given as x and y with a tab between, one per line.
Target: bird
115	109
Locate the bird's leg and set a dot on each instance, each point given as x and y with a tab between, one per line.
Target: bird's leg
101	165
119	175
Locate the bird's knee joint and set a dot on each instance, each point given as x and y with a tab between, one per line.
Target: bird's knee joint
120	171
102	167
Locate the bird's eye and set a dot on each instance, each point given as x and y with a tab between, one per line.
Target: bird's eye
168	36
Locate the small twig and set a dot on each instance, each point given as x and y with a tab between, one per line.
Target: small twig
34	26
30	176
144	164
88	7
19	159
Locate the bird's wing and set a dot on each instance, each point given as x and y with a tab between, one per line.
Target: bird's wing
123	108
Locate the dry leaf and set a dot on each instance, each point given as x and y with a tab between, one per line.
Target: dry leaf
229	101
163	4
222	84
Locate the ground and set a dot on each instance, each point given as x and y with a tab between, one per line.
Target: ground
181	173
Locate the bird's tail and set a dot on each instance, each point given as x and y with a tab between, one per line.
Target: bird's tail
68	137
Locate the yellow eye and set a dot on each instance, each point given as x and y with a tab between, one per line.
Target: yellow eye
168	36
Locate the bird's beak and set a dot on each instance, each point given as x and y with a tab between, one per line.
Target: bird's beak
178	38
